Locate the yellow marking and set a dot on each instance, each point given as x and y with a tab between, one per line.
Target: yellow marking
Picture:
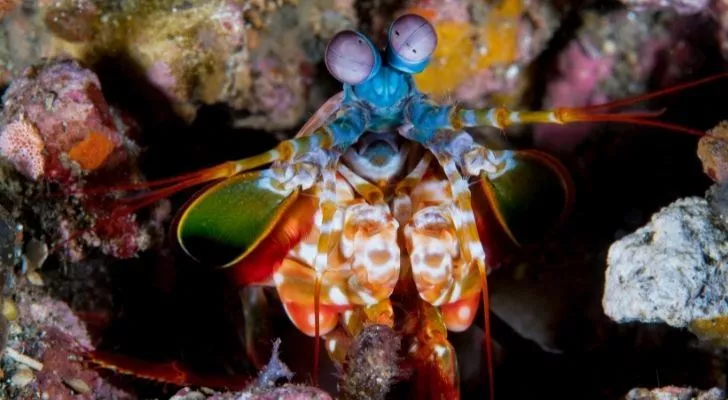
502	118
326	136
370	192
456	120
413	178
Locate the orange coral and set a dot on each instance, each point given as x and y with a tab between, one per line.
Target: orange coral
464	49
713	330
92	151
6	6
713	152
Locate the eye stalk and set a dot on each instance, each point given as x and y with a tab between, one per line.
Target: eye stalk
411	42
352	58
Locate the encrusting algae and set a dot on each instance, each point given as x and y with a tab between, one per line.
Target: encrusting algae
465	48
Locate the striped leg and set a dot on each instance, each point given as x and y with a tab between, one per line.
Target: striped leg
447	147
371	193
402	203
328	209
339	133
428	117
351	259
471	246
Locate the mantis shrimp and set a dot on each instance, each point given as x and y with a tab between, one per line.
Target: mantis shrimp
380	198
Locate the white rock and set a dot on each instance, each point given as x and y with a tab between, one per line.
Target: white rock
673	270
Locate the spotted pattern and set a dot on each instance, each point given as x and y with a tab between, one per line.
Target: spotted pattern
493	163
459	315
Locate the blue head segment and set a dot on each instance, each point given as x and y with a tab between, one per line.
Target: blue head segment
352	58
411	40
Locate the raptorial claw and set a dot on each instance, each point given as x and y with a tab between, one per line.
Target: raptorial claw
529	197
436	375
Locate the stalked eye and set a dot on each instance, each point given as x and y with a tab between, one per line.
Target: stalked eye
412	40
351	58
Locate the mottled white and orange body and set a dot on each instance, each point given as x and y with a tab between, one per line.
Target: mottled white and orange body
406	215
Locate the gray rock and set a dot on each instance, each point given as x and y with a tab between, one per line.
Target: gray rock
675	393
673	270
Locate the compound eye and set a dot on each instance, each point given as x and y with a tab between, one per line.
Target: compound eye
412	39
351	58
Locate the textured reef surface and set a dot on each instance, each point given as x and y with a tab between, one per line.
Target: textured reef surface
627	300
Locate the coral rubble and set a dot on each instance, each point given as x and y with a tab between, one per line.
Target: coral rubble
676	393
265	386
372	364
713	152
49	336
57	128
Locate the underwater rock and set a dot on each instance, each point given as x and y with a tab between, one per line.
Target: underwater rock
283	62
21	144
11	244
371	365
11	240
24	39
50	335
258	58
57	124
713	152
612	56
717	197
484	48
264	387
58	128
680	6
191	52
6	6
674	270
675	393
286	392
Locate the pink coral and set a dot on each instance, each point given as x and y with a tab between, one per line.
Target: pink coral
487	82
47	310
577	86
447	10
160	74
53	333
21	144
274	96
615	56
59	128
